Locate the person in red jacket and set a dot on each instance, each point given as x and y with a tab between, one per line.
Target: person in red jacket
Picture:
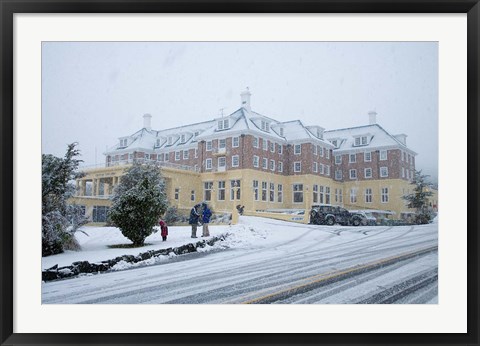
164	229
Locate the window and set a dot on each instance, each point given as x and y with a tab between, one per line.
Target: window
327	153
255	189
235	160
264	144
297	149
320	151
383	155
280	167
357	141
208	164
327	170
272	165
195	168
147	156
353	174
196	153
411	160
177	155
384	194
297	166
403	172
207	190
327	195
367	156
364	140
177	193
404	156
170	140
223	124
352	158
335	143
182	139
315	193
383	172
322	194
322	168
222	143
280	149
408	173
338	174
221	190
315	167
209	146
235	142
265	126
185	154
264	191
123	142
272	147
222	162
338	159
368	195
280	193
281	131
353	195
264	163
297	193
235	185
315	150
255	161
338	196
167	156
272	192
368	172
192	195
157	142
99	213
255	142
161	157
360	141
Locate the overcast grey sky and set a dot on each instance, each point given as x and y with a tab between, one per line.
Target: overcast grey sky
95	92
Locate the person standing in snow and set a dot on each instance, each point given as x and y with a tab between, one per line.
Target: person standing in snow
206	215
164	229
193	220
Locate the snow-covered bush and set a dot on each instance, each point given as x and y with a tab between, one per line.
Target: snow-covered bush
138	202
57	188
172	216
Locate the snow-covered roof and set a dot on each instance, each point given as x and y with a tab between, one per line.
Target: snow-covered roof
377	137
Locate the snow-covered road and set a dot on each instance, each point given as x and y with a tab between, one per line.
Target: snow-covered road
277	256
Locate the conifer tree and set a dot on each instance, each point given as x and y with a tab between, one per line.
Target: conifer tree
138	202
57	188
418	199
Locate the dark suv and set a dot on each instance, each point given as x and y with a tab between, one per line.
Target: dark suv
330	215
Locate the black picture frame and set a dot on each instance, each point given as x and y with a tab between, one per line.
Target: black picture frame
9	7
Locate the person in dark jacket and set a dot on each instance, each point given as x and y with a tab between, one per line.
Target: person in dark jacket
164	229
193	220
206	215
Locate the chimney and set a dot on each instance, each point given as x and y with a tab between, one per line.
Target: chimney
147	121
245	96
372	117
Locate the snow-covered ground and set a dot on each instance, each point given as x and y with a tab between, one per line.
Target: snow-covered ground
268	256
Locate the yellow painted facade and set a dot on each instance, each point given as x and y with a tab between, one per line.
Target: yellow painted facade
186	188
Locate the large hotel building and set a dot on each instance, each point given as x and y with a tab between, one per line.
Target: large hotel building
265	165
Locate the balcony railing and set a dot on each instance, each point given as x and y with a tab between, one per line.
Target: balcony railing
130	161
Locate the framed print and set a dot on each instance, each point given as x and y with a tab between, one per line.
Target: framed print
239	172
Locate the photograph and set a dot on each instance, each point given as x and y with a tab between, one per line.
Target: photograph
240	172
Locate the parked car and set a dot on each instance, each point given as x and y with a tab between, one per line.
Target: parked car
367	217
330	215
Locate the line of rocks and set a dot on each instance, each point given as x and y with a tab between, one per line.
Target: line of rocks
85	267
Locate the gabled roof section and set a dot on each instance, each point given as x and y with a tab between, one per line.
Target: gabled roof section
377	137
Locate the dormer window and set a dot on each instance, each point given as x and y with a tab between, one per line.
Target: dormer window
197	133
123	142
360	140
223	124
281	131
265	126
335	143
157	143
170	140
319	133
